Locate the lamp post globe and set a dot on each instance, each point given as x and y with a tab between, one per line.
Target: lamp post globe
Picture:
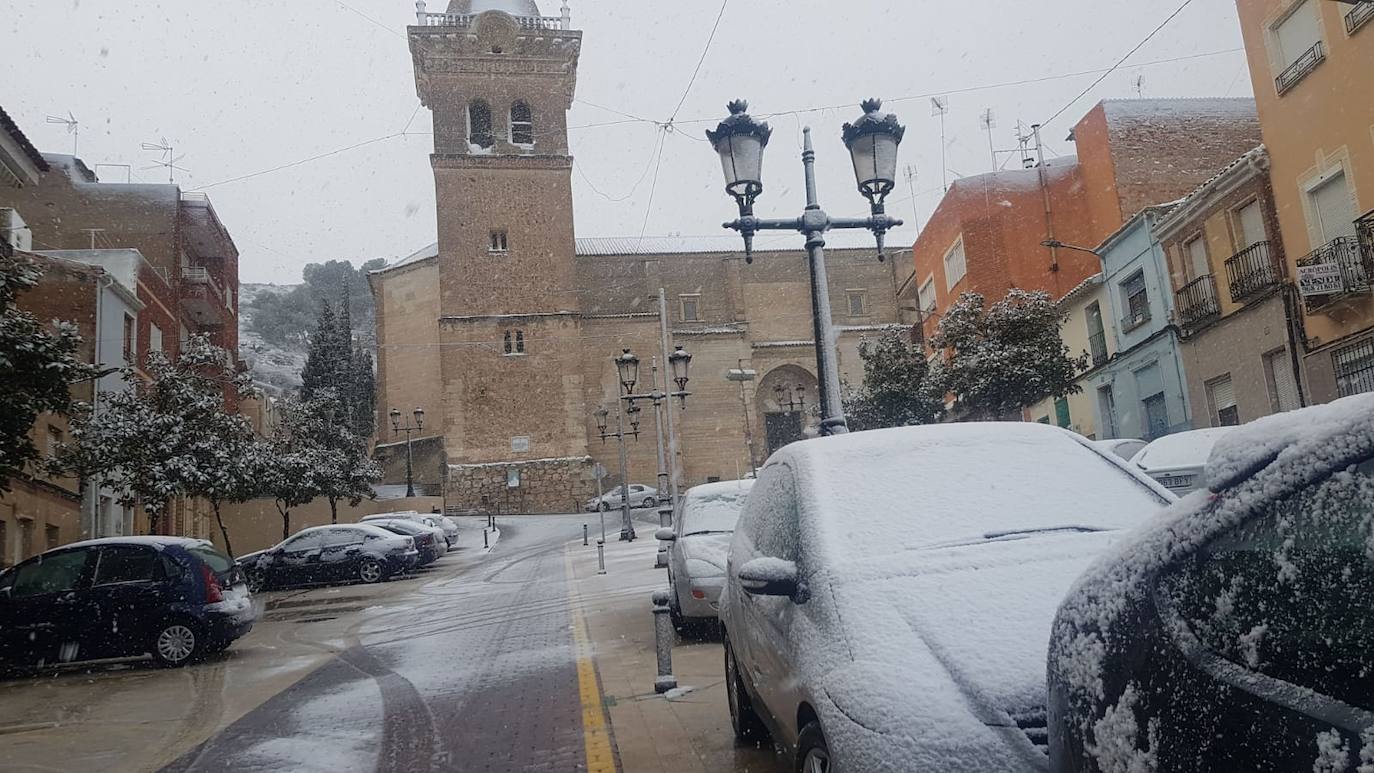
872	141
395	420
419	414
680	361
740	141
602	419
628	367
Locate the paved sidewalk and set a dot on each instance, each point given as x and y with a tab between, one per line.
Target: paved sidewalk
689	731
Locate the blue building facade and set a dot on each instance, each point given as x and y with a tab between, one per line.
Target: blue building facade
1140	392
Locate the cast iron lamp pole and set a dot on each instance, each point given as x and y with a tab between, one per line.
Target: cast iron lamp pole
627	366
627	527
396	428
872	141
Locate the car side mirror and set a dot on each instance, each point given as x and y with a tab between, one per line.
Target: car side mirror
665	535
769	576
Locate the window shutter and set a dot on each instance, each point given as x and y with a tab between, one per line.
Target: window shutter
1251	219
1285	385
1299	32
1223	394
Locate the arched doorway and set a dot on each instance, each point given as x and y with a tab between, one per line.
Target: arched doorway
786	402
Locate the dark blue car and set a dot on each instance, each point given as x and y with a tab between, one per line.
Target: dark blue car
172	598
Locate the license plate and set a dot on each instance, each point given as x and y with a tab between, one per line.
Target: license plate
1177	481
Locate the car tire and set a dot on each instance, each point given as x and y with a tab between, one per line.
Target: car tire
813	754
371	571
177	642
651	502
746	723
603	507
675	615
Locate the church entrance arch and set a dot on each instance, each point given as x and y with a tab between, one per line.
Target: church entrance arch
788	403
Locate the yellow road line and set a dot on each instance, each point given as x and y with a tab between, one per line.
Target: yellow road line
596	733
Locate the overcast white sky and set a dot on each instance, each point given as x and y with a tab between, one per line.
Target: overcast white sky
246	86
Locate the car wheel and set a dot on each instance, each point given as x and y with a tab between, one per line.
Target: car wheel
745	721
257	583
651	502
813	755
604	507
176	643
675	614
370	571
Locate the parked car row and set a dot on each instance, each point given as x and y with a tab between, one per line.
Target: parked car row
1013	597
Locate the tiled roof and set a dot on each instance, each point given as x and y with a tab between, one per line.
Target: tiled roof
12	128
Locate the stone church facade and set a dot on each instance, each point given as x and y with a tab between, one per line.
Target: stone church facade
505	329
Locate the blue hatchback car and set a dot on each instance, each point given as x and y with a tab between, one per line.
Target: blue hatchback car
172	598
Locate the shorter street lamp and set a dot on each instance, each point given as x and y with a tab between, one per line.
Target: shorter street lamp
627	370
789	401
396	428
872	141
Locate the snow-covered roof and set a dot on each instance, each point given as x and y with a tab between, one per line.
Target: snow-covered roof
1081	289
1013	180
1180	450
1253	161
512	7
1178	107
12	129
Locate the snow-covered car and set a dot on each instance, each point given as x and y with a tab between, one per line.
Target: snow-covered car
1177	460
640	496
890	593
1125	447
341	553
429	540
698	543
1234	632
442	522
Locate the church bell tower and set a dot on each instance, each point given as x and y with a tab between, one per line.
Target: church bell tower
499	79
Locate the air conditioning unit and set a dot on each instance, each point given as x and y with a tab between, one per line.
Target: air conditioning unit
14	231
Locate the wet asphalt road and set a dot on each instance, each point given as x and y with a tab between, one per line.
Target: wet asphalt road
473	671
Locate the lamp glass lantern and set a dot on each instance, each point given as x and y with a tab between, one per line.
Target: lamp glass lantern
628	367
680	361
739	140
602	417
419	414
873	141
395	420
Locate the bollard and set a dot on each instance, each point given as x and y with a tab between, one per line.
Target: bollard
484	538
600	556
584	534
663	642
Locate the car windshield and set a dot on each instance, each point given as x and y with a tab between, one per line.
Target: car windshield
713	512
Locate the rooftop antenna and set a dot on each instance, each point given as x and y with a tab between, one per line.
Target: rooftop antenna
939	106
989	122
72	126
911	186
1023	139
93	232
128	170
1140	86
168	161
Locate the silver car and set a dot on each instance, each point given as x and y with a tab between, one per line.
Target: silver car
435	520
698	544
640	496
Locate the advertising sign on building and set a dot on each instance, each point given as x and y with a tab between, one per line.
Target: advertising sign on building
1320	279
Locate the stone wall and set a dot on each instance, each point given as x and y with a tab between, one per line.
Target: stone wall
541	486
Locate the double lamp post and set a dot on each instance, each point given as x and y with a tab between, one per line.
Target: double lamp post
396	428
872	141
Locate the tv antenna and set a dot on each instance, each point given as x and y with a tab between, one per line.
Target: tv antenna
939	106
910	172
989	122
72	125
1140	86
168	161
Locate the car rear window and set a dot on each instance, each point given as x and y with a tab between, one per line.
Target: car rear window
126	563
217	561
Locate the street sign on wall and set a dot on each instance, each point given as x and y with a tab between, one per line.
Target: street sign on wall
1320	279
599	471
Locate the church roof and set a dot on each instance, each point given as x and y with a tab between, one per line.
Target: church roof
512	7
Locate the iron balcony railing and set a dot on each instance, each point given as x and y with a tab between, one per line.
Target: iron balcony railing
1358	16
1137	312
1300	68
1353	260
466	20
1252	271
1364	229
1097	346
1197	301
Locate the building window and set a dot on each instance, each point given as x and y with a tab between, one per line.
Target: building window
689	308
1295	45
513	342
1221	393
1106	405
52	536
1097	335
1354	368
926	298
956	264
479	125
858	303
521	124
1136	300
130	338
496	241
1333	209
1283	383
154	339
1198	265
1061	412
1156	416
1250	226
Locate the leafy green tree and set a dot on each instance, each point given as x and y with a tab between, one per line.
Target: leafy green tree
38	365
294	461
1000	359
896	391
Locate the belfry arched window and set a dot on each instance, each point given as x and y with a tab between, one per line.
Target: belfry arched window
479	124
521	124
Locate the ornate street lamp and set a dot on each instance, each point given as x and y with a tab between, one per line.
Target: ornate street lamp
873	141
419	415
679	361
602	419
628	367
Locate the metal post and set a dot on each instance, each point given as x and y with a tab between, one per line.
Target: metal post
665	508
832	410
748	428
663	642
584	534
601	511
627	527
410	479
601	557
484	539
674	461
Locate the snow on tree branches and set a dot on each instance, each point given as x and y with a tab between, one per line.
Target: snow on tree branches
38	365
1001	359
896	391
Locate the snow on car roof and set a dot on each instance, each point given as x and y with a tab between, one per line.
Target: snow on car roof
885	491
714	506
1181	449
1254	445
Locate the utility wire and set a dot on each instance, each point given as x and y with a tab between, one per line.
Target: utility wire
1120	61
700	61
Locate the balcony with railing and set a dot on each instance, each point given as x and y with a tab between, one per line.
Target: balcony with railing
1358	16
202	297
1097	347
466	20
1300	69
1196	302
1353	261
1137	312
1252	271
